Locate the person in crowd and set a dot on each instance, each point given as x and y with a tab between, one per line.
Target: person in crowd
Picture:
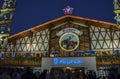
61	75
111	75
16	74
77	73
67	73
43	74
103	77
118	77
73	75
37	74
90	75
100	77
4	75
21	71
28	74
51	75
118	73
82	75
94	75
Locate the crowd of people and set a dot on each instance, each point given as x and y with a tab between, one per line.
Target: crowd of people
27	73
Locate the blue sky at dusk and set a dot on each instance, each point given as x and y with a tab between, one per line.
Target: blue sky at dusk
30	13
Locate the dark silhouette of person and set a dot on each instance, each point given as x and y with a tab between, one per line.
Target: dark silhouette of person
111	75
68	73
90	75
43	74
28	74
61	74
94	75
51	75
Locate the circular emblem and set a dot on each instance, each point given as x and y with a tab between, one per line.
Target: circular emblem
69	41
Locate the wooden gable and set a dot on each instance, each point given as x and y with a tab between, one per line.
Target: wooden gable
61	20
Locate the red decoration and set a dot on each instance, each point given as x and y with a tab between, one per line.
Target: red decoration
68	10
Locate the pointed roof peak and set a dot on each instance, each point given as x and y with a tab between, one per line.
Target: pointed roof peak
62	19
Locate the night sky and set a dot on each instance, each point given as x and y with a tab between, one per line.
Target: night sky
30	13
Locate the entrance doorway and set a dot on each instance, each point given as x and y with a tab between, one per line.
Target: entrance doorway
78	71
71	69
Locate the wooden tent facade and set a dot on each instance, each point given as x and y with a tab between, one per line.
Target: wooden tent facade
97	35
41	40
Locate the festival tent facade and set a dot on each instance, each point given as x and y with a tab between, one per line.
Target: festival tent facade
92	35
67	36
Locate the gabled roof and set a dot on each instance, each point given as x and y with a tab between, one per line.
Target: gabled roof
62	19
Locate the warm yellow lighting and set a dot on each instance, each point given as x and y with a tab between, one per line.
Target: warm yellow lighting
117	11
118	26
4	34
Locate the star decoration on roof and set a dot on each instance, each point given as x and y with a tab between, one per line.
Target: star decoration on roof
68	10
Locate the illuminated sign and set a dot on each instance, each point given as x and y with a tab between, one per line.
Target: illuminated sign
58	61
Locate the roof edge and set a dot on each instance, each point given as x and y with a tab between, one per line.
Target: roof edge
61	18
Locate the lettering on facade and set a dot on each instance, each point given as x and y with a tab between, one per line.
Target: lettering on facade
66	30
58	61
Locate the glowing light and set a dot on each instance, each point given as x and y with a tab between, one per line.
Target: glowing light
58	61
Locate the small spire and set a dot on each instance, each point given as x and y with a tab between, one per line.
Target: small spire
68	10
